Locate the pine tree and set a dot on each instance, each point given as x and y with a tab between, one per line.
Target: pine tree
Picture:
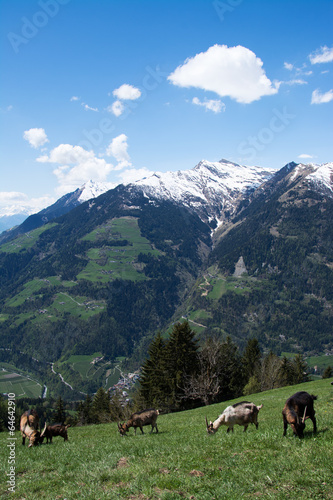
301	368
251	359
287	375
116	408
182	362
60	413
153	386
86	416
100	407
231	379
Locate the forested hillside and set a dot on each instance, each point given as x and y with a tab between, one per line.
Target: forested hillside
105	277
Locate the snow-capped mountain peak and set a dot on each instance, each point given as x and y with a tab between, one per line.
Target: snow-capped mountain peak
92	189
322	175
210	187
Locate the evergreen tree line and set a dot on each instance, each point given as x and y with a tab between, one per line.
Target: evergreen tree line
178	375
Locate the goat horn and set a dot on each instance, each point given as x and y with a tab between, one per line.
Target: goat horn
42	434
303	420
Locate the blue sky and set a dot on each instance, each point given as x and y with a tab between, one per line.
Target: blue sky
111	90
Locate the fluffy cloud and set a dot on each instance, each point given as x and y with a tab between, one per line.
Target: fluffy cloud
76	166
319	98
228	71
36	137
118	149
7	197
288	66
127	92
213	105
322	55
12	199
304	156
116	108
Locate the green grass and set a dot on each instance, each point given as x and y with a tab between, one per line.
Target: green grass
182	461
25	241
91	371
321	362
112	261
15	381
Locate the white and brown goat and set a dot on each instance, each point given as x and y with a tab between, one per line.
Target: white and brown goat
243	413
140	419
29	424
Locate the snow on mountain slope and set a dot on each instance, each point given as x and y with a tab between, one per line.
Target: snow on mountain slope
210	188
322	176
92	189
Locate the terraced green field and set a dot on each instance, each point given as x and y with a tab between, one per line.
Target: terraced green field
25	241
13	380
114	261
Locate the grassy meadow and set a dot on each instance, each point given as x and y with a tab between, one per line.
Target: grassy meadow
18	382
182	461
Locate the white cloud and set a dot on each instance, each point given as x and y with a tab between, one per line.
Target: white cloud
288	66
118	149
12	199
75	98
88	107
127	92
319	98
213	105
296	81
36	137
117	108
305	156
322	55
76	166
228	71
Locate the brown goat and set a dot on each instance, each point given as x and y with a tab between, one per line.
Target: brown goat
144	417
56	430
297	409
29	424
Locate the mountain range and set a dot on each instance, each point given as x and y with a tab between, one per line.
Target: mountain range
237	251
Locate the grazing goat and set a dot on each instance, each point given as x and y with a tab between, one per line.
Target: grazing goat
29	424
56	430
144	417
243	413
297	409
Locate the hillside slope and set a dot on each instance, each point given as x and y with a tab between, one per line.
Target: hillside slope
97	462
114	270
